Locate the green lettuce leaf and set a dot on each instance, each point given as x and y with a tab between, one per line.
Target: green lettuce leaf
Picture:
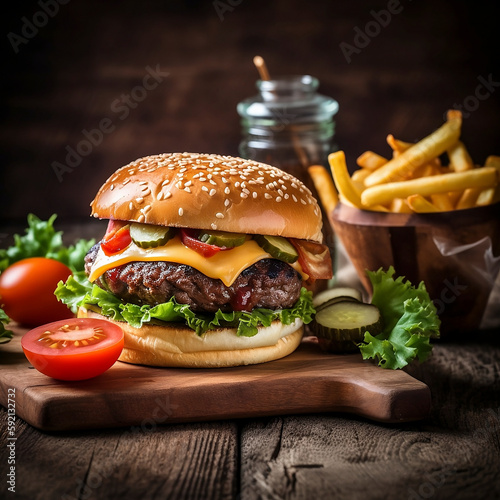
78	291
410	321
5	335
42	240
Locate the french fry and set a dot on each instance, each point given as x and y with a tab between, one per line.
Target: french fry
324	186
420	153
342	180
400	206
371	160
460	159
420	205
486	197
360	175
484	177
398	146
442	202
468	199
493	161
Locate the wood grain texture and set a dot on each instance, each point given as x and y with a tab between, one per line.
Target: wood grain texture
148	461
453	454
130	394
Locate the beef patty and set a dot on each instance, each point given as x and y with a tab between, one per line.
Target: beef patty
268	283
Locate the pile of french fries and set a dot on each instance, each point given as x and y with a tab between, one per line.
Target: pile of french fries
415	178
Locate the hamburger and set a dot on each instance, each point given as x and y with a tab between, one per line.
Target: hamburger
205	262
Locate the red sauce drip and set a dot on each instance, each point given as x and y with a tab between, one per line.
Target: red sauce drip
242	299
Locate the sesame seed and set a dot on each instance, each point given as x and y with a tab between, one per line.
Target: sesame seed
303	202
204	188
212	192
227	202
139	200
267	196
294	198
112	187
143	183
278	198
227	190
219	215
213	226
168	194
141	218
181	211
130	206
188	183
244	195
165	182
187	189
126	181
254	194
160	196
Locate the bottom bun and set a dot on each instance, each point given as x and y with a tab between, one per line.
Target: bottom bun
179	346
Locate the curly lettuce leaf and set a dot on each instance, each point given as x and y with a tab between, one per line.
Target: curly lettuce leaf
410	321
5	335
42	240
79	292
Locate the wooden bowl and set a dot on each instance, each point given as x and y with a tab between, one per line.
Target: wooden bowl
452	252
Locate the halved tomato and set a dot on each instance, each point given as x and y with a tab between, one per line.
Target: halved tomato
73	349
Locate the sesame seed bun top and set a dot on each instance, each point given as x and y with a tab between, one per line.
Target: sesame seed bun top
205	191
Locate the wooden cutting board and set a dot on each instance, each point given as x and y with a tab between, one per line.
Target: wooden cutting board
307	381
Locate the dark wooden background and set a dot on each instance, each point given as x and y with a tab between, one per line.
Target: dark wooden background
69	74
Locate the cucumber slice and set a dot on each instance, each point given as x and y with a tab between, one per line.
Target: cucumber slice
222	238
280	248
342	325
150	236
339	291
334	300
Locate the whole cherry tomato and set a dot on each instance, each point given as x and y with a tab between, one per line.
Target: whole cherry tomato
27	291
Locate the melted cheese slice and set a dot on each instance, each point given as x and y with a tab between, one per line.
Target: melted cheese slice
226	265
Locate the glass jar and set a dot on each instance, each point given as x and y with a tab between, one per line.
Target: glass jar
290	126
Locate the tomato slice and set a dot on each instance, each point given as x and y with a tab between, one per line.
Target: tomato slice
73	349
189	237
314	258
117	238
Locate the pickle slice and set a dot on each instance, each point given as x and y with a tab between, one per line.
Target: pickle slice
280	248
342	325
222	238
150	236
325	296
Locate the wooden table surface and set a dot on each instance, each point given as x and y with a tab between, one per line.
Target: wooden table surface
74	69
